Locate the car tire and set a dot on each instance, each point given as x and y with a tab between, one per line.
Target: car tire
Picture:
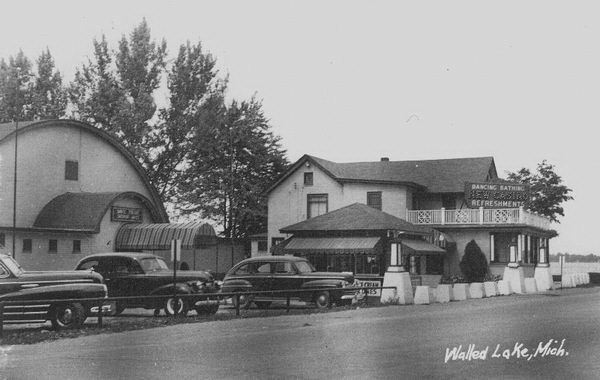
67	316
207	310
245	301
322	300
263	304
176	306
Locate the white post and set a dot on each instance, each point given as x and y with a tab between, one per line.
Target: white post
519	248
542	275
396	277
492	253
443	216
521	215
480	215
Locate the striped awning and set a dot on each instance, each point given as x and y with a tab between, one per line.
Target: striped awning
420	247
339	245
158	236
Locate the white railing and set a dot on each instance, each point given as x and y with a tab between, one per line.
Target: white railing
478	216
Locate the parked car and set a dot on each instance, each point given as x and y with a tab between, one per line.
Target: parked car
19	285
131	274
267	273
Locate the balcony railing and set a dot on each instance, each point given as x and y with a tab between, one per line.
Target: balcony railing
478	216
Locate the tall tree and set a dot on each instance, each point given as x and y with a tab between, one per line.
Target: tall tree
16	82
48	97
119	98
548	192
233	161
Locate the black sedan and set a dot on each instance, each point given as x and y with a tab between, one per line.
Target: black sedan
268	273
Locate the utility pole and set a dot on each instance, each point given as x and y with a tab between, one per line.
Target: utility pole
14	226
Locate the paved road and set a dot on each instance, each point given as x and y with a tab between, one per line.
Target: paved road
390	342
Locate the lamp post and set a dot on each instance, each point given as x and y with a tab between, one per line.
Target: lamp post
14	226
512	262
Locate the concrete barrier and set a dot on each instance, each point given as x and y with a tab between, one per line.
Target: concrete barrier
476	290
504	288
587	278
422	295
490	288
460	292
442	293
530	285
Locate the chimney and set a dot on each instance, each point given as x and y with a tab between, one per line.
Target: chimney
385	159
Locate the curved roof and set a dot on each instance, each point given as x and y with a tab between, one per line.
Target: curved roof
84	211
158	236
7	131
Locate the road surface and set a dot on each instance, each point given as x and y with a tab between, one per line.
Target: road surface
389	342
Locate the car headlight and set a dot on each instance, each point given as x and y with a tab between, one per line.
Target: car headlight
345	284
196	285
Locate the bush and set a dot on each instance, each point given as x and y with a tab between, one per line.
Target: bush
474	265
453	280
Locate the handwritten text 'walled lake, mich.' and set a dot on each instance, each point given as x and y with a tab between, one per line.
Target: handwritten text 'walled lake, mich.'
552	347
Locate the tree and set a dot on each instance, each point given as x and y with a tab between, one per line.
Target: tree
119	97
473	264
234	160
16	82
48	96
547	190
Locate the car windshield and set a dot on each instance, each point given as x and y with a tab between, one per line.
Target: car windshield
153	264
304	267
12	265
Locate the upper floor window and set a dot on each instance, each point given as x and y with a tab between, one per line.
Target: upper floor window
262	245
76	246
276	240
2	239
52	246
317	204
374	199
308	179
449	201
27	245
72	170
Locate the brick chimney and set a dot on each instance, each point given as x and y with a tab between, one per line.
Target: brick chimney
385	159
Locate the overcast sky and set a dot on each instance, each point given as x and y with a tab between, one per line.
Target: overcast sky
355	81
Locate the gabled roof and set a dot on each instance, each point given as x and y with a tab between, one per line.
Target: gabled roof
436	176
356	217
83	211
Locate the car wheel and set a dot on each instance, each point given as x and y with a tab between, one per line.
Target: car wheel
67	316
263	304
207	310
245	301
176	306
322	300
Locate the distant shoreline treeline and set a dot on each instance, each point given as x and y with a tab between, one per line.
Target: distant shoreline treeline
569	258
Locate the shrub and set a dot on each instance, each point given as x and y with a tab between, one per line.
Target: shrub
452	280
474	265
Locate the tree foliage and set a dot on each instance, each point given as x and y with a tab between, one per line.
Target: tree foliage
548	192
235	158
25	95
473	264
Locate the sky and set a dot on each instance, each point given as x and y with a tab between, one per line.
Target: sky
359	80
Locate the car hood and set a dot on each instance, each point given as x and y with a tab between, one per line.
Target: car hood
73	275
332	275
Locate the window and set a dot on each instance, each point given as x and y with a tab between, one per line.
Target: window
4	272
72	170
52	246
308	179
2	239
89	265
449	201
76	246
26	245
317	204
284	268
275	241
374	199
262	246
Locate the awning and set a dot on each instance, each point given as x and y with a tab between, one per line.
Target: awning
331	245
419	247
158	236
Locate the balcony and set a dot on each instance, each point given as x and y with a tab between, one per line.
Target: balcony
480	216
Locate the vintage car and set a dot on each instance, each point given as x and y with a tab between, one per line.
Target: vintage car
131	274
19	285
268	273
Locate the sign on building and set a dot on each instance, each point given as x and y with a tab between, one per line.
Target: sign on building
496	195
126	214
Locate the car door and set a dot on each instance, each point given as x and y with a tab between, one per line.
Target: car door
285	277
